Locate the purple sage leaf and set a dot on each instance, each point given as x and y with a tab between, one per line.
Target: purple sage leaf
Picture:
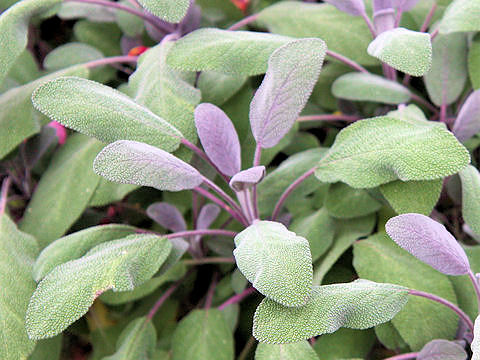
247	178
442	350
406	5
132	162
352	7
218	137
383	15
208	214
293	70
468	119
167	216
430	242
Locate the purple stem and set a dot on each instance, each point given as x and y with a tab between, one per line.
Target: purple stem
407	356
329	117
475	286
194	209
443	112
398	18
164	297
209	260
423	102
202	232
447	303
211	292
237	298
433	35
243	22
256	161
223	194
289	190
370	25
111	60
346	61
428	18
4	194
244	200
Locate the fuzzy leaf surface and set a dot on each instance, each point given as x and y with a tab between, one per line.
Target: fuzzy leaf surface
168	10
246	179
442	350
344	202
167	216
300	350
476	340
461	16
470	179
352	7
467	123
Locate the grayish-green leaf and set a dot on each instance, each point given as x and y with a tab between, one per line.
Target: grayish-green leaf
103	36
132	162
108	192
102	112
368	87
75	245
67	292
376	151
476	340
358	305
405	50
70	54
130	24
203	334
92	12
276	261
168	10
345	344
64	190
461	16
470	178
229	52
345	202
300	350
442	350
17	254
474	63
217	88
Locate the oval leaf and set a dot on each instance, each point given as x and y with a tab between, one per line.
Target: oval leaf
442	350
358	305
246	179
301	350
276	261
430	242
168	10
293	70
167	216
470	179
461	16
207	216
219	138
131	162
467	123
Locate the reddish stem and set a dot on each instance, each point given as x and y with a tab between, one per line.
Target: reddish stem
211	197
428	18
256	161
407	356
211	292
202	232
164	297
329	117
243	22
223	194
4	194
476	287
235	299
424	102
111	60
346	61
370	25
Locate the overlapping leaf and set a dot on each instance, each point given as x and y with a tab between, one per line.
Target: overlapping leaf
344	202
300	350
467	123
471	197
352	7
167	216
461	16
442	349
247	178
171	11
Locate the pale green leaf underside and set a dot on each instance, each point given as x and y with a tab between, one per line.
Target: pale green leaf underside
169	10
276	261
102	112
405	50
376	151
17	254
68	291
358	305
300	350
461	16
471	197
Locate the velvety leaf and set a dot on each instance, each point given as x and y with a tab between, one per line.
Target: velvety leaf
167	216
389	336
474	64
70	54
476	340
461	16
92	12
217	88
470	179
67	292
300	350
467	123
136	342
379	259
376	151
412	196
203	334
442	350
352	7
17	253
229	52
65	190
207	215
108	192
405	50
368	87
276	261
132	162
405	5
447	76
358	305
343	33
14	30
345	344
171	11
219	138
246	179
102	112
293	70
130	24
102	36
75	245
344	202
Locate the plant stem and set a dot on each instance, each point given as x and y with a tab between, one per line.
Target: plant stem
111	60
329	117
369	24
476	286
433	35
223	194
237	298
407	356
346	61
447	303
424	102
244	201
202	232
210	260
243	22
443	112
428	18
256	161
247	348
4	194
211	291
289	190
165	296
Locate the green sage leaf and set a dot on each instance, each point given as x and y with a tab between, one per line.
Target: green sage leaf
300	350
461	16
470	178
171	11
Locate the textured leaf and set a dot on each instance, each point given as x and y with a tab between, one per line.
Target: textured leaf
375	151
474	63
344	202
343	33
75	245
136	342
67	292
70	54
229	52
219	138
430	242
358	305
217	88
14	30
247	178
171	11
276	261
17	253
167	216
368	87
471	197
131	162
345	344
412	196
108	192
442	350
92	12
405	5
467	123
476	340
102	36
293	70
203	334
65	190
102	112
448	74
461	16
207	215
352	7
405	50
379	259
130	24
300	350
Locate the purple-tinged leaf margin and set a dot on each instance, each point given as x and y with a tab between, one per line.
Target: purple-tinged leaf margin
167	216
467	123
248	178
